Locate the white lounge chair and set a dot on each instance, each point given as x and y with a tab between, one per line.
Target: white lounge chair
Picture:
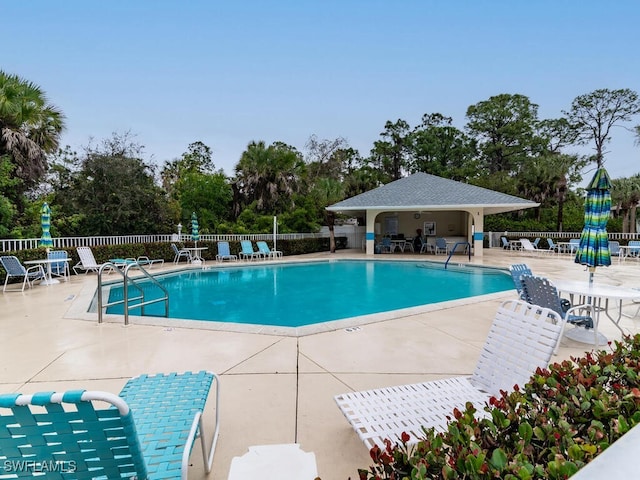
87	261
521	339
528	247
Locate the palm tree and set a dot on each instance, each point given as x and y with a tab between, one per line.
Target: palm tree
625	194
269	176
30	127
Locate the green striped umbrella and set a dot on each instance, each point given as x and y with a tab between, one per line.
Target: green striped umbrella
594	244
195	236
45	221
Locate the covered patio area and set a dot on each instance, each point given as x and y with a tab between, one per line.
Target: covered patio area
439	207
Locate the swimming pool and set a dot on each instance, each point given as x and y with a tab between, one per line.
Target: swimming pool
299	294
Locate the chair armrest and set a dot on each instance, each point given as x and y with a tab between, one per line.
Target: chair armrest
34	269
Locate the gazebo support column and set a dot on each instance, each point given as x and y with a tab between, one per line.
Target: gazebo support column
371	231
476	218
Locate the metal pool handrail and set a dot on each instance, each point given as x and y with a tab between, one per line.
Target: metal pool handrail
467	246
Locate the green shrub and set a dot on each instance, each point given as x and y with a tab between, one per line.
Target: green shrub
562	419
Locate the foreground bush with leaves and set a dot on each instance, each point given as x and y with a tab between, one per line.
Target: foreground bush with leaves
557	423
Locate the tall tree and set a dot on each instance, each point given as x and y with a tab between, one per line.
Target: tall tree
114	192
197	158
594	114
30	128
437	147
327	158
505	128
390	153
325	192
207	194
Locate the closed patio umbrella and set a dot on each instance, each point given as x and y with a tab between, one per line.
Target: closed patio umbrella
45	221
594	244
195	235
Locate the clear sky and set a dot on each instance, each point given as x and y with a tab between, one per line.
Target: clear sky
228	72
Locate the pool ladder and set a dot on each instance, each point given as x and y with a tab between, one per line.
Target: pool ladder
128	281
466	245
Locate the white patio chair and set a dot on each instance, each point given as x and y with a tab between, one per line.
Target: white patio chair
521	339
181	253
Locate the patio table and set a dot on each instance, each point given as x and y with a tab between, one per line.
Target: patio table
603	298
47	261
515	245
196	258
626	251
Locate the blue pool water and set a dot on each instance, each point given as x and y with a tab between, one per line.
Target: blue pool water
301	294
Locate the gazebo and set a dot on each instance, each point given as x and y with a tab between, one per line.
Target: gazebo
438	206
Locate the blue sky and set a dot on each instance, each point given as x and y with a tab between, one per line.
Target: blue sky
226	73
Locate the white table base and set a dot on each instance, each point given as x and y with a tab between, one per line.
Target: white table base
274	462
582	335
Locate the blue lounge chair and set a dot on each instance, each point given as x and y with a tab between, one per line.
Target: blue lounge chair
149	434
505	243
552	246
517	270
267	252
574	245
61	268
441	245
614	248
385	245
248	253
634	248
15	269
224	253
541	292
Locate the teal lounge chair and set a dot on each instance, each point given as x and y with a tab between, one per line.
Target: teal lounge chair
147	432
224	253
248	253
267	252
15	269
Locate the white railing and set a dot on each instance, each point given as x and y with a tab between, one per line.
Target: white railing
494	237
354	239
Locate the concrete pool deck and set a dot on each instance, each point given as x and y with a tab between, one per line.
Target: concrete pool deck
275	389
